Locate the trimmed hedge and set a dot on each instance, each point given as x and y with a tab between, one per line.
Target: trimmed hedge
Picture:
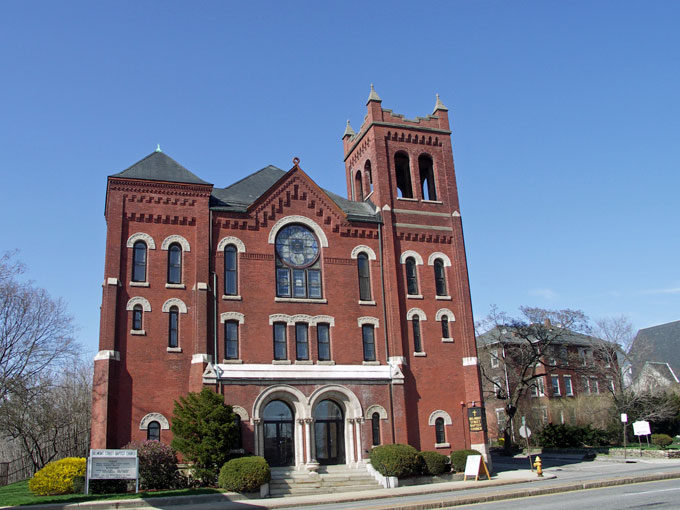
434	463
398	460
572	436
244	474
459	458
662	440
57	477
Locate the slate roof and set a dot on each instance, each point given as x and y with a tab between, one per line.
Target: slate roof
158	166
658	343
566	338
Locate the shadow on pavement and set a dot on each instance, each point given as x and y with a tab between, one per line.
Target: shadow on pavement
503	463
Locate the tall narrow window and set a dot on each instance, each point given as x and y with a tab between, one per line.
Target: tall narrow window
439	277
137	317
173	319
364	277
367	334
369	175
440	437
139	262
358	187
238	442
445	327
323	342
403	171
231	339
230	274
153	431
426	169
375	428
417	343
301	341
411	277
280	341
175	263
298	265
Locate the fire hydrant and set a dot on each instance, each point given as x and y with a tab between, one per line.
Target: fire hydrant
539	466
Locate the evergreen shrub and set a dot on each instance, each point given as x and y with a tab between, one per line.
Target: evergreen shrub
398	460
459	458
244	474
572	436
157	465
57	477
662	440
434	463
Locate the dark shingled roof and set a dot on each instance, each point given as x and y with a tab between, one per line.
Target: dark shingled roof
240	195
567	337
658	343
159	167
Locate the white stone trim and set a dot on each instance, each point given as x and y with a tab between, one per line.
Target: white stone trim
138	300
201	358
241	412
455	214
175	238
444	312
279	317
439	414
225	241
375	408
411	253
386	208
232	316
323	319
174	302
141	236
414	311
112	281
369	320
469	361
162	420
300	317
341	395
362	247
114	355
439	255
302	220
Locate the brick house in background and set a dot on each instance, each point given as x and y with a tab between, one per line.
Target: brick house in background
329	324
571	365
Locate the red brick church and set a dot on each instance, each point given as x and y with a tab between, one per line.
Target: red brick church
330	324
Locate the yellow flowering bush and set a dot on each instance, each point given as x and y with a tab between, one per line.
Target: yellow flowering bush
57	477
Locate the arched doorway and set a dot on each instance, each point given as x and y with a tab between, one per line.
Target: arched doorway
329	433
278	434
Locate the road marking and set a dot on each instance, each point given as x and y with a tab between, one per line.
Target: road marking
652	492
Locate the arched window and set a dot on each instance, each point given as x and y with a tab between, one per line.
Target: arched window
403	170
368	338
231	339
411	277
230	274
440	278
238	442
445	327
175	263
298	265
301	341
173	327
323	341
426	169
417	342
139	262
137	318
440	436
369	175
358	187
375	428
364	277
153	431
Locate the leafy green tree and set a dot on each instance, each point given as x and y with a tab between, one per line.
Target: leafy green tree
204	430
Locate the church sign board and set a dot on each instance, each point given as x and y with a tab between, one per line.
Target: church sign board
476	419
112	465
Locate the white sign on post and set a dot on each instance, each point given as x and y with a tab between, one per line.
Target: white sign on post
624	418
112	465
641	428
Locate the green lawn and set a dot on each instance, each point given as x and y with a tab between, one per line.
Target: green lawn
18	494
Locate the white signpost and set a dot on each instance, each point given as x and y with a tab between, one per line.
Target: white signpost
112	465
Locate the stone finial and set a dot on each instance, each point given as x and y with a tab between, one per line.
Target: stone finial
373	96
158	148
439	105
348	130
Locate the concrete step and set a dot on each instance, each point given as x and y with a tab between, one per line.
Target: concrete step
296	491
330	479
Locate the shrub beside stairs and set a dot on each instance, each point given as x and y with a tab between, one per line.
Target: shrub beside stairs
330	479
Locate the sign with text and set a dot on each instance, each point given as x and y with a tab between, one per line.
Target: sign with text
641	428
476	419
112	465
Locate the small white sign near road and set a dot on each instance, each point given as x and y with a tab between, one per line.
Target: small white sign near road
641	428
524	431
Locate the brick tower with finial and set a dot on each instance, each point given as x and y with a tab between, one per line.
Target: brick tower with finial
405	168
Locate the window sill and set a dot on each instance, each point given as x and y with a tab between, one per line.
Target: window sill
232	361
226	297
139	284
447	340
442	445
407	199
175	286
443	298
299	300
371	363
281	362
419	354
367	303
414	296
139	332
569	395
325	362
304	362
174	349
432	201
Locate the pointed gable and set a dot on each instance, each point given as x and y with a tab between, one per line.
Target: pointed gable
157	166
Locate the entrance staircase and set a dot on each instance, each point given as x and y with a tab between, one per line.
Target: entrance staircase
330	479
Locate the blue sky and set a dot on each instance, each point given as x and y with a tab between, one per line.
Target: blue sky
565	117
